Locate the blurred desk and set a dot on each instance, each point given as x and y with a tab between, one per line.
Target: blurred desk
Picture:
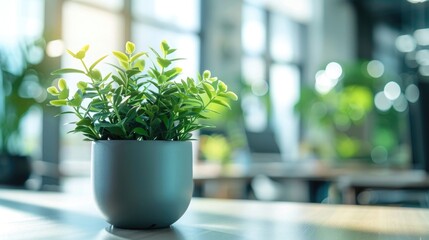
405	186
38	215
293	170
349	180
312	174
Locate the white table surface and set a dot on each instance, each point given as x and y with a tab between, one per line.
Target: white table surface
74	215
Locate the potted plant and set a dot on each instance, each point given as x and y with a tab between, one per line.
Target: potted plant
20	90
140	120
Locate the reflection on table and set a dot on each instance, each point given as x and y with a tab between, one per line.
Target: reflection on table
38	215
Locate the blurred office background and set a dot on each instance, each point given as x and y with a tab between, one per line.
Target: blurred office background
332	84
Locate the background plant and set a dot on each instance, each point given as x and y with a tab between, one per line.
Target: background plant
139	102
345	124
20	90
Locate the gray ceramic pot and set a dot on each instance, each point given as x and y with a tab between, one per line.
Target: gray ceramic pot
142	184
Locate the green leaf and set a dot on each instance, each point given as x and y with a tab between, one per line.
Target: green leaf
221	86
116	67
194	90
123	76
101	115
170	91
97	62
206	74
209	86
120	56
106	89
63	113
97	104
173	72
64	94
177	59
130	73
83	129
209	89
96	75
155	52
163	62
82	85
190	82
58	103
53	91
135	57
162	79
124	64
106	125
202	116
67	70
62	84
213	79
141	131
140	64
187	136
118	80
84	48
171	50
76	101
165	47
193	102
124	100
231	95
84	122
81	54
141	119
90	95
129	47
71	53
221	102
107	77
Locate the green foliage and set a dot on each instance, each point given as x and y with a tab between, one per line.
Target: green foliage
17	72
139	102
344	122
216	148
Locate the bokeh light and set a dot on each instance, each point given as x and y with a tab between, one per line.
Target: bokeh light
333	70
424	70
392	90
375	68
260	89
324	83
416	1
381	102
422	36
400	104
55	48
405	43
422	57
412	93
379	154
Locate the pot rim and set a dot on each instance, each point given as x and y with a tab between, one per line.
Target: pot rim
133	140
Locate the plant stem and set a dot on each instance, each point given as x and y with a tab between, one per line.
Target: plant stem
115	109
103	98
90	127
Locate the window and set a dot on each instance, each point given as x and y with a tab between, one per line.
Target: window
176	21
272	67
